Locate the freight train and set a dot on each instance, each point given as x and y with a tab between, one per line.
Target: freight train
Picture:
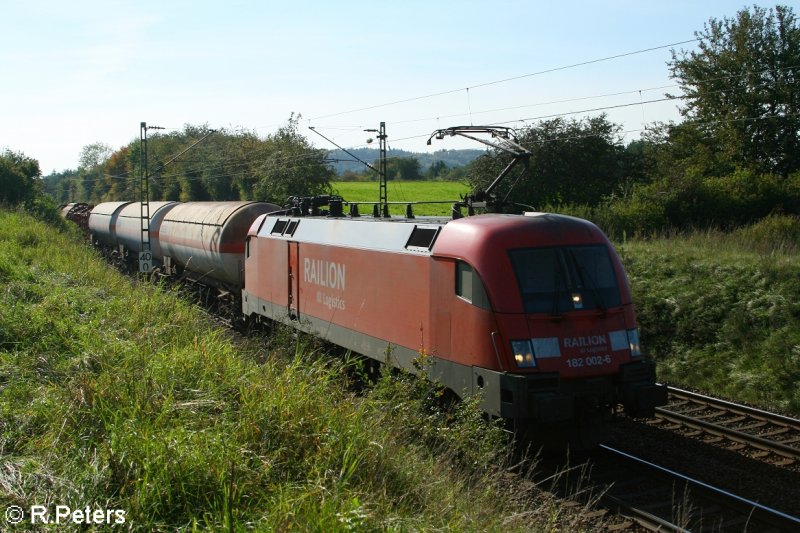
532	313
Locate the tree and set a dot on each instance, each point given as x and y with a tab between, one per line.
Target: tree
572	161
677	154
60	186
197	164
402	168
742	87
290	167
19	178
93	155
437	169
93	184
117	174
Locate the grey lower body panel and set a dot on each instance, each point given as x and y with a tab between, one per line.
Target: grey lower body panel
525	397
454	376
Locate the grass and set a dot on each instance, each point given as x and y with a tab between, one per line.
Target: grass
720	312
116	394
404	191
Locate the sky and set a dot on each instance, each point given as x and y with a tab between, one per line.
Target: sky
82	72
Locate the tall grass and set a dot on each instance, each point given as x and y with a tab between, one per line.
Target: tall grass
116	394
721	311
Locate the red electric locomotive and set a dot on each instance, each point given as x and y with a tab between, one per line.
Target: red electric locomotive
532	312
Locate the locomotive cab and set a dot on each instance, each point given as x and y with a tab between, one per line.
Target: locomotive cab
562	322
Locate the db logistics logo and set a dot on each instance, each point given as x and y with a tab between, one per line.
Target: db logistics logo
14	514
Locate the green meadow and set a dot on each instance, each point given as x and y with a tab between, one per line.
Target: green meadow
404	191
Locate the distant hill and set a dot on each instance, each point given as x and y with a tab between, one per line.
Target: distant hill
342	162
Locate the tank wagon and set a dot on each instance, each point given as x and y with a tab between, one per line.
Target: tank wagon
202	240
128	231
77	212
207	239
103	223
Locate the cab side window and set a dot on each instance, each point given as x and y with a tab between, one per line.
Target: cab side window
469	286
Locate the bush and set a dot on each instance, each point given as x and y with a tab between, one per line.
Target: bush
726	202
19	178
45	209
773	233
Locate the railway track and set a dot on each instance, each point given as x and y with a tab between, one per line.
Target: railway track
762	435
657	498
703	465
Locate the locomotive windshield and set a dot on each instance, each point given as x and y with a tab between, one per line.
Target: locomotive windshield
565	278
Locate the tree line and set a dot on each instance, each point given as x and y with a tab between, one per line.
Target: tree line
733	159
441	165
222	165
409	168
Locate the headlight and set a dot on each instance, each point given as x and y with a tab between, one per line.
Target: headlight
633	342
523	354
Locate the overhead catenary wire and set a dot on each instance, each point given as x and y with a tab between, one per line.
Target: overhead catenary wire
505	80
748	73
531	144
640	102
537	104
527	145
523	120
567	100
570	100
199	169
732	76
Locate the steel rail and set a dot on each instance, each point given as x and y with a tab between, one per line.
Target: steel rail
761	443
736	435
647	520
736	408
754	510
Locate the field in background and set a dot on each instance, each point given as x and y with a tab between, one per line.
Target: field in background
404	191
